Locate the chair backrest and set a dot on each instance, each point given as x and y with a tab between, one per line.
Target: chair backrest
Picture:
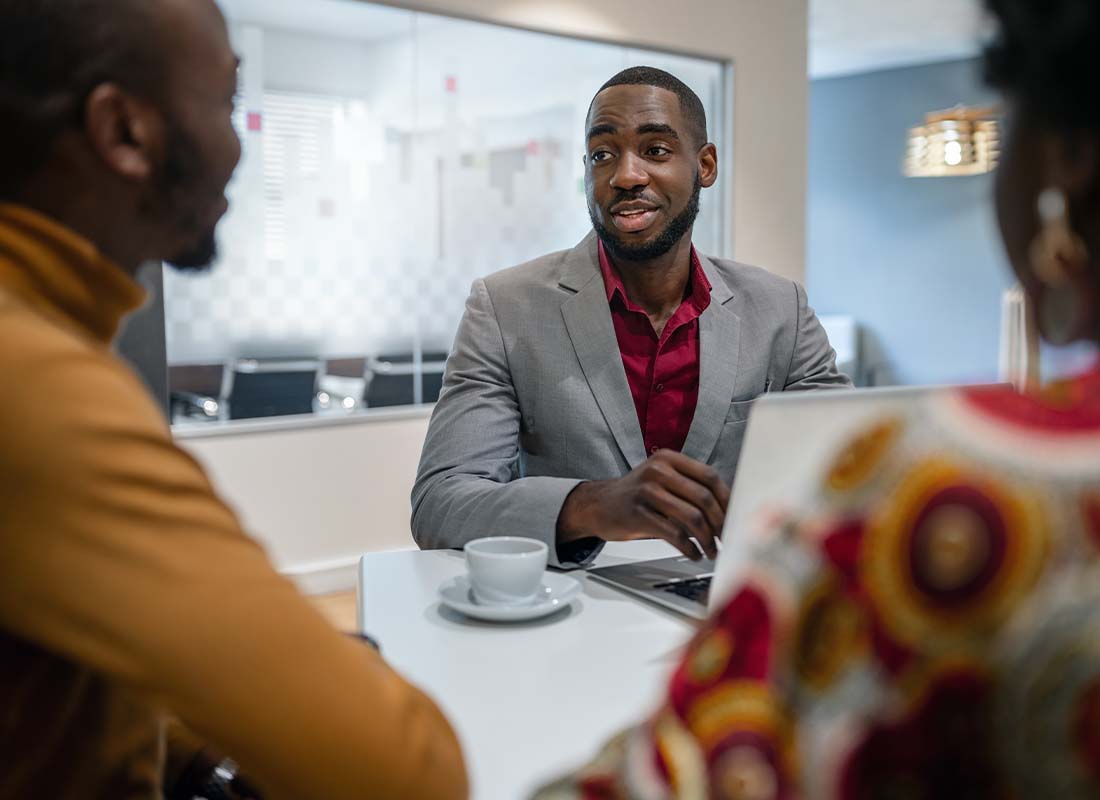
268	388
392	379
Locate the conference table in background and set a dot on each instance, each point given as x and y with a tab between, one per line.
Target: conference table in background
531	700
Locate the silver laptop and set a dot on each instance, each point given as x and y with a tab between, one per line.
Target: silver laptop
789	438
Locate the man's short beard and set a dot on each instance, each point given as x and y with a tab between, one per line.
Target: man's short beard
199	257
662	243
176	196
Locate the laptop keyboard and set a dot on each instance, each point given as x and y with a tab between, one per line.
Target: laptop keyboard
697	589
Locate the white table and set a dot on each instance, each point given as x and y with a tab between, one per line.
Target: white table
529	700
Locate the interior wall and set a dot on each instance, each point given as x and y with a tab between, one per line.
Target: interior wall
917	261
318	497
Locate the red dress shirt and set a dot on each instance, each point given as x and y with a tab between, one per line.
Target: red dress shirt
663	372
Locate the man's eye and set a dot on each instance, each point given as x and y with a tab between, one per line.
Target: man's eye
600	155
658	150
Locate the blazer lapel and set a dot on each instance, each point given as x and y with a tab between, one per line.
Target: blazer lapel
719	347
588	321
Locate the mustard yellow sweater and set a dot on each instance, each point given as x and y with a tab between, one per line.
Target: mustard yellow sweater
128	590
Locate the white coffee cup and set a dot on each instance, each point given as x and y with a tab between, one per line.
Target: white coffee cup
505	570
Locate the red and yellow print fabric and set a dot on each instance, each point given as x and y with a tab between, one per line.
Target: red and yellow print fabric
929	628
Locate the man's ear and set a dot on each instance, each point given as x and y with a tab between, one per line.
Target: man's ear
708	165
126	133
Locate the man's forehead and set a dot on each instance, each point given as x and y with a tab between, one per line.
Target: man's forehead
635	101
199	31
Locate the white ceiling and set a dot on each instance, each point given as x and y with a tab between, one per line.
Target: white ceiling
849	36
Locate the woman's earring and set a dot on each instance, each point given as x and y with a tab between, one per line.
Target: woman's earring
1057	257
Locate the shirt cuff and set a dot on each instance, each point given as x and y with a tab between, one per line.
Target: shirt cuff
579	553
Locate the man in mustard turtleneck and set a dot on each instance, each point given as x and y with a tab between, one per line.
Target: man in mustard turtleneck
128	591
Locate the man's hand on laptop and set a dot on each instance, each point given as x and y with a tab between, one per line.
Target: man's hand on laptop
670	497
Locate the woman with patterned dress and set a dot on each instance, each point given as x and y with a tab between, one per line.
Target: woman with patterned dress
928	624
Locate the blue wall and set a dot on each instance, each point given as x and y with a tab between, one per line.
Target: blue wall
917	261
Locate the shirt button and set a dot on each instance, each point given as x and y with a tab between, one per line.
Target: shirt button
660	387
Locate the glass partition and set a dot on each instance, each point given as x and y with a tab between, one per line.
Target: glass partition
390	159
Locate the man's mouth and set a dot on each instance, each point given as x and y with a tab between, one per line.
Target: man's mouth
632	219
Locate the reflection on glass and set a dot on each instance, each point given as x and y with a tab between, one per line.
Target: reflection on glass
390	158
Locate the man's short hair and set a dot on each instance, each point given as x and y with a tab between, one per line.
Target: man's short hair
690	104
53	53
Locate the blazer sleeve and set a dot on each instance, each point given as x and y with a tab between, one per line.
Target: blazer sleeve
470	481
813	360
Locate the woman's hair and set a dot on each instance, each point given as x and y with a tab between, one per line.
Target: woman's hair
1046	55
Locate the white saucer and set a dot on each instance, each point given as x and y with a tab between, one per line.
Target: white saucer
555	594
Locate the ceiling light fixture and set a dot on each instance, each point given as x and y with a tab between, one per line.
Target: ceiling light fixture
959	141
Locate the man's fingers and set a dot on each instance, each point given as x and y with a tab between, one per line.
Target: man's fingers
698	496
689	518
671	533
700	473
708	476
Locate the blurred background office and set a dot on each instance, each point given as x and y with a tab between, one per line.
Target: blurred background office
391	156
914	260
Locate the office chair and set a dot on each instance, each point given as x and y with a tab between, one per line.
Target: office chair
392	379
270	388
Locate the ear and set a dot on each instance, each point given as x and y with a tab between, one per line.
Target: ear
126	133
708	165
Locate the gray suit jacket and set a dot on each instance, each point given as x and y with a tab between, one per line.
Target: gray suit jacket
535	398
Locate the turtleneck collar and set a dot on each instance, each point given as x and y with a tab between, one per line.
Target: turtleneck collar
63	274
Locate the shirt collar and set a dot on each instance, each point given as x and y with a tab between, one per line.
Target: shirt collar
697	292
63	274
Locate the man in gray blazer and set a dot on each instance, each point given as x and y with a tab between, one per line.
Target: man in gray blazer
601	393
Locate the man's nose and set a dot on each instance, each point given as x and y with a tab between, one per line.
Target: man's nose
629	173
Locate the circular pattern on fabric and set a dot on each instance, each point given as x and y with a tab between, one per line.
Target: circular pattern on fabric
745	772
739	712
710	656
861	458
679	760
831	632
951	552
736	644
957	545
